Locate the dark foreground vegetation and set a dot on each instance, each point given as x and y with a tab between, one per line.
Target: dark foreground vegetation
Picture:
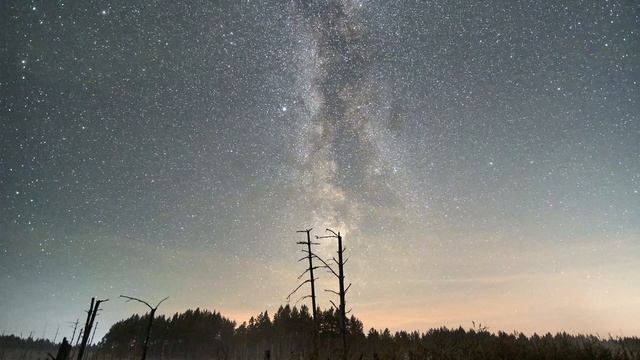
201	334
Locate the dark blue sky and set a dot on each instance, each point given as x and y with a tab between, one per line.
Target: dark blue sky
482	158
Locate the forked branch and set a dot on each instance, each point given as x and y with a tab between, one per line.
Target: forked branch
129	298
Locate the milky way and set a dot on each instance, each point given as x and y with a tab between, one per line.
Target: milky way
338	101
481	158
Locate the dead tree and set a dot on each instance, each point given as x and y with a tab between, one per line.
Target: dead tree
95	328
342	290
78	339
55	337
75	327
91	317
310	255
152	312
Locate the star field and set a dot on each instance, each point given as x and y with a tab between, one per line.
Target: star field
481	158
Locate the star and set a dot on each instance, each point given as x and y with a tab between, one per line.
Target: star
467	149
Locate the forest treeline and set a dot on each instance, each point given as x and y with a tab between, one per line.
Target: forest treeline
202	334
16	343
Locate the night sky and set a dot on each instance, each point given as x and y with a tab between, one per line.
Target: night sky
481	158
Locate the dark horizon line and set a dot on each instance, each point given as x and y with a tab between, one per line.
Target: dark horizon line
366	330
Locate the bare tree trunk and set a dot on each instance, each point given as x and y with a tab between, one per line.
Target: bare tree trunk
86	330
75	327
78	339
146	339
91	317
342	290
313	297
152	312
95	328
343	314
311	281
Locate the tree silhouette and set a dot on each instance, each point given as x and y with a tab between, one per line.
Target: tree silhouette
91	317
309	257
152	312
75	327
201	334
342	290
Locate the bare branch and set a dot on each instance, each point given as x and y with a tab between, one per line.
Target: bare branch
347	289
296	289
161	301
334	304
326	265
304	231
302	298
333	232
129	298
304	272
332	291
